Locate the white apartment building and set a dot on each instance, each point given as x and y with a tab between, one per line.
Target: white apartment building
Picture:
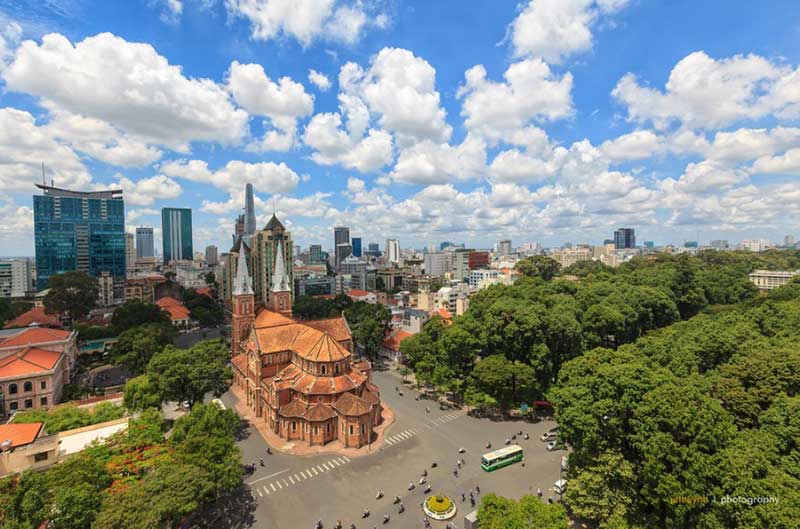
392	250
754	245
769	279
15	278
476	276
454	298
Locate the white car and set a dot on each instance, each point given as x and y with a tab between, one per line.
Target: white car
549	436
551	446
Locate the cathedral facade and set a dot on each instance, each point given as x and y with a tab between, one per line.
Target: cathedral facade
299	377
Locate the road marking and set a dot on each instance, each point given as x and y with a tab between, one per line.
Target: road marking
259	494
346	458
320	468
333	461
315	471
389	442
284	482
290	479
297	478
279	484
266	490
270	476
342	460
273	487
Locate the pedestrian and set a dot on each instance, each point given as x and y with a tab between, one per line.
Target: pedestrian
477	489
463	497
539	492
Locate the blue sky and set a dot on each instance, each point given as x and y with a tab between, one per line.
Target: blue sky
547	121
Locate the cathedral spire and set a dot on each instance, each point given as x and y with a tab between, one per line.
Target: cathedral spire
242	284
280	280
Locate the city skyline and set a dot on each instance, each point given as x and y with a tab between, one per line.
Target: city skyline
504	134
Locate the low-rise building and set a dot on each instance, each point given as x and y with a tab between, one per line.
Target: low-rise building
362	295
414	320
143	287
476	276
449	297
35	363
178	313
769	279
36	317
390	348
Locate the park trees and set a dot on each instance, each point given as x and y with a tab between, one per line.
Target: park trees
369	323
71	293
538	266
141	393
136	346
188	374
136	312
529	512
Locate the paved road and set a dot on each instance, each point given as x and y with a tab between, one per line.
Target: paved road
294	492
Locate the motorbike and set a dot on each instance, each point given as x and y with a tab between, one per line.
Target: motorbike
385	518
401	509
427	488
422	480
379	495
396	500
365	513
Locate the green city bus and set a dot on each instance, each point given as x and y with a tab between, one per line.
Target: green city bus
500	458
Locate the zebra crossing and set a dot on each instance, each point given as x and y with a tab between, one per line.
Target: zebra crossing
311	472
400	437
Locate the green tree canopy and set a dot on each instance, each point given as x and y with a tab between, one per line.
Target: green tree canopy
188	374
72	293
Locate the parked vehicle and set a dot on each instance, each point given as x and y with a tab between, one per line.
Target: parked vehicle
560	486
552	445
549	436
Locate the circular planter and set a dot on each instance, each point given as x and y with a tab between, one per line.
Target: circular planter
439	507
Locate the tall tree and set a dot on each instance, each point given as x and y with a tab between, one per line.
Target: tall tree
538	266
135	347
189	374
136	312
72	293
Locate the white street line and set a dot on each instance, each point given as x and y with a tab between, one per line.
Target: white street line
320	468
341	460
290	479
279	484
273	487
315	471
297	478
345	458
334	462
284	482
259	494
270	476
266	490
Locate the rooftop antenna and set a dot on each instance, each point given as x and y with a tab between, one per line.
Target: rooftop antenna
273	206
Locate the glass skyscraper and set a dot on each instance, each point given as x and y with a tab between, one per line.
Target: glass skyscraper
176	234
356	244
77	230
144	243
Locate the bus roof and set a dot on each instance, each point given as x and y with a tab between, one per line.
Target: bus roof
512	449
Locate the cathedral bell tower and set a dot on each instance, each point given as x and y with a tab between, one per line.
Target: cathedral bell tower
243	306
280	293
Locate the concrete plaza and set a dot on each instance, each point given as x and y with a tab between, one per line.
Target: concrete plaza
293	492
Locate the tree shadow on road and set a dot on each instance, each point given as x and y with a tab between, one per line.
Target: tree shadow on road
236	510
243	431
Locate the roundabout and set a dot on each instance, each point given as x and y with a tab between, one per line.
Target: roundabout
439	507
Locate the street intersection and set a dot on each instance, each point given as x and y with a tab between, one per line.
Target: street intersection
293	492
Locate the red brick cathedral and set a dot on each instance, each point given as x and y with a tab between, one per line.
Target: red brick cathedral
300	377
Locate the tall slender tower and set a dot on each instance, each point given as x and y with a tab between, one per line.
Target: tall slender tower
242	305
280	293
249	211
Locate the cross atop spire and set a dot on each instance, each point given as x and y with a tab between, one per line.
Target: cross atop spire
242	283
280	280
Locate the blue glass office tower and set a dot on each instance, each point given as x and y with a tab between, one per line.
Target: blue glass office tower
77	230
176	234
356	242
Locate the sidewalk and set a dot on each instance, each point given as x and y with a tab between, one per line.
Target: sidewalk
299	448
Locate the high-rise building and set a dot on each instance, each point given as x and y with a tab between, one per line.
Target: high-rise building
238	228
176	232
212	255
144	243
789	241
504	247
374	247
438	263
341	235
15	277
266	245
315	253
78	230
356	244
130	252
392	250
343	251
249	211
624	238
